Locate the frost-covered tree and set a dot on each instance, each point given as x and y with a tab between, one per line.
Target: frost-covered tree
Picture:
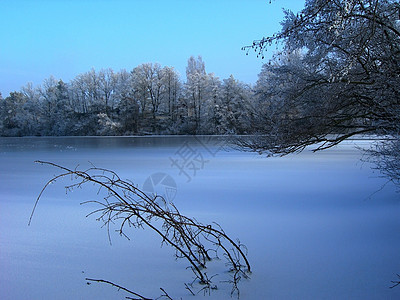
195	92
107	81
49	106
338	75
172	90
213	113
235	106
56	110
127	106
87	94
14	121
143	77
149	85
32	109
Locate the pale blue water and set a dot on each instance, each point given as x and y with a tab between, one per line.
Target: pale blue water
311	227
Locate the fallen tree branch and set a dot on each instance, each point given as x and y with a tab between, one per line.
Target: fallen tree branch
127	205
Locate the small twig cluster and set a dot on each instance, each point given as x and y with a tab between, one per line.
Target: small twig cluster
396	282
385	155
193	241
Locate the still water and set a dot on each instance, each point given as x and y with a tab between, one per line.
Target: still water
312	222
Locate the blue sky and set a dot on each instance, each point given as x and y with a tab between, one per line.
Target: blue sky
63	38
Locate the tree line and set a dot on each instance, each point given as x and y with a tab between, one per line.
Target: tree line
150	99
337	75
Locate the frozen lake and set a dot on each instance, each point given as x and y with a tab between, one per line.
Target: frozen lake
310	225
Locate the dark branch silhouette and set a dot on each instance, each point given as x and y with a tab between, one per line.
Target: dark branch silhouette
396	283
126	205
139	297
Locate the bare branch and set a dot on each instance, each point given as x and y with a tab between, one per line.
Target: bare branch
119	287
129	206
396	283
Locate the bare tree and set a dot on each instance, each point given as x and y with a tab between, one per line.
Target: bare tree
192	241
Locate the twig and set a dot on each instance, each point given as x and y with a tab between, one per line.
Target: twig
396	283
189	289
165	294
119	288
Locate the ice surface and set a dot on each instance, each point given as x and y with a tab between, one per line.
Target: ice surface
310	226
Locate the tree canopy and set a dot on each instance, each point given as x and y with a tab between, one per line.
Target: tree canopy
338	75
150	99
